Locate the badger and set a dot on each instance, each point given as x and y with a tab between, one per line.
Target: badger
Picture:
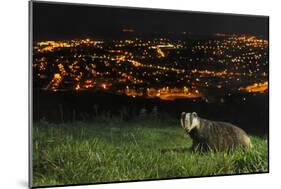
213	135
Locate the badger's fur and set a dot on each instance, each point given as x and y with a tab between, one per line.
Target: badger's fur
213	135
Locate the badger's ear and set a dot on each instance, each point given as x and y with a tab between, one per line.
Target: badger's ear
194	114
182	115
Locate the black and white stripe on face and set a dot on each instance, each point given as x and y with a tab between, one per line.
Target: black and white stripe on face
190	119
187	120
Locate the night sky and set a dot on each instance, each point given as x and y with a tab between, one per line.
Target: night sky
62	21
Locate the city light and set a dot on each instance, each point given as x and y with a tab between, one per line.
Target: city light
154	68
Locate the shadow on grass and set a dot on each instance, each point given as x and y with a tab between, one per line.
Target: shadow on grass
176	150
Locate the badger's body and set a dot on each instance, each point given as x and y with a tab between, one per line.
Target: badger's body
214	135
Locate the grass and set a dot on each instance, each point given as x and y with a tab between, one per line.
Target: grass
96	152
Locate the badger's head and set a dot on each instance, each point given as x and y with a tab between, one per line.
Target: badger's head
189	121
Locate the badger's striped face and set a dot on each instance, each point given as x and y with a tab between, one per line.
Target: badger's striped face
189	121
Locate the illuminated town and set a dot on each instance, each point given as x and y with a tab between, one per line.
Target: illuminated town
168	68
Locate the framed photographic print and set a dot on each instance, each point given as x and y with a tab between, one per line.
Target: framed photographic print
121	94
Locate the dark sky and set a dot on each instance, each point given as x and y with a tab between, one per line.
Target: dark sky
59	21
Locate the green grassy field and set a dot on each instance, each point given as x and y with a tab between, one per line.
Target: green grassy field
122	151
